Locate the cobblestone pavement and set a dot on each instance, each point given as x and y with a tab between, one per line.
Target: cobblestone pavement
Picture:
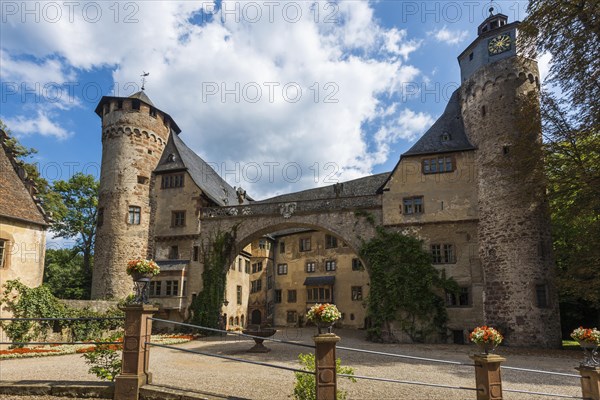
226	377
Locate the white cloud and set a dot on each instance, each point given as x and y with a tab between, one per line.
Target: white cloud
332	51
449	36
41	124
544	64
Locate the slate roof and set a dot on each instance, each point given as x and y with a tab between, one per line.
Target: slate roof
319	280
141	95
451	124
17	193
207	179
358	187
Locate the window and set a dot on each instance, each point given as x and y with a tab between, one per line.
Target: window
305	244
357	293
155	288
438	165
257	267
471	57
460	299
311	266
99	218
281	247
184	289
256	286
541	296
172	288
442	254
135	105
282	269
142	180
196	251
270	282
413	205
318	294
240	264
277	295
134	215
330	242
177	218
120	105
2	252
292	316
357	265
172	181
152	112
174	253
247	267
291	296
262	244
330	265
239	294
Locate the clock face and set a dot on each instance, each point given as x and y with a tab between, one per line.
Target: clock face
499	44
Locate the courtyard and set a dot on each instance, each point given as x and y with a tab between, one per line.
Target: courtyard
171	368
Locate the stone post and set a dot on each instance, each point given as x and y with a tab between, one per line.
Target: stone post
487	376
326	380
590	382
134	372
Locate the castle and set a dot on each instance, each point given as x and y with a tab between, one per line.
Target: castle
471	188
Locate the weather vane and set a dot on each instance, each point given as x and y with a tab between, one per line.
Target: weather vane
491	10
144	75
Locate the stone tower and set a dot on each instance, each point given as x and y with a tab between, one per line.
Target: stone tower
134	134
500	107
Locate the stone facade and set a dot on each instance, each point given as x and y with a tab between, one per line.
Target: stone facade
471	189
134	135
23	224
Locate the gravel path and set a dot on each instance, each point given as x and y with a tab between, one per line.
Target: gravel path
184	370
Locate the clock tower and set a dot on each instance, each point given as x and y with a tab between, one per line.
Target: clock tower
499	98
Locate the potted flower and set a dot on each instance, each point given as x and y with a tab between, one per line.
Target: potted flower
486	338
324	316
587	337
589	340
141	269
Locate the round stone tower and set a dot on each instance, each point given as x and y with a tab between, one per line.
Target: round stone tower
500	108
134	134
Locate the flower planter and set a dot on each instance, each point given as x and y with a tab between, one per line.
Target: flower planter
486	348
324	326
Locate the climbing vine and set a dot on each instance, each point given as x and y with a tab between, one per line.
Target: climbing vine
38	302
405	288
207	305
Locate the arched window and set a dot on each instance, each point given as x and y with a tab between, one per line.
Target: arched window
230	321
237	321
242	320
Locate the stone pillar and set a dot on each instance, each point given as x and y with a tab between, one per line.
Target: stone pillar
134	372
590	382
487	376
326	380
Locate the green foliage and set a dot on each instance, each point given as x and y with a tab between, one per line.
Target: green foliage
77	219
105	360
25	302
365	214
569	31
305	385
405	288
207	305
65	275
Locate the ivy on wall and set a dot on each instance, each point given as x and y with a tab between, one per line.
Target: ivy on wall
206	307
405	288
38	302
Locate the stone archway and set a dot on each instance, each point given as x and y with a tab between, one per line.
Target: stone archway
256	317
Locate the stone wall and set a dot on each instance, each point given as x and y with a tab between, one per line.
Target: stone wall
132	144
514	237
94	305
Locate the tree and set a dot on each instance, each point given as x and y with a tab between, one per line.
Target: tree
404	287
570	31
65	275
78	218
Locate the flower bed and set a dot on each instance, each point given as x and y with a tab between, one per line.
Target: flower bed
57	350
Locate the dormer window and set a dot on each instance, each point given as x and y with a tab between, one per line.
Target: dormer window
445	137
152	112
135	104
171	158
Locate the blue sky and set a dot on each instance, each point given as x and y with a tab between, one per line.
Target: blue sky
345	86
